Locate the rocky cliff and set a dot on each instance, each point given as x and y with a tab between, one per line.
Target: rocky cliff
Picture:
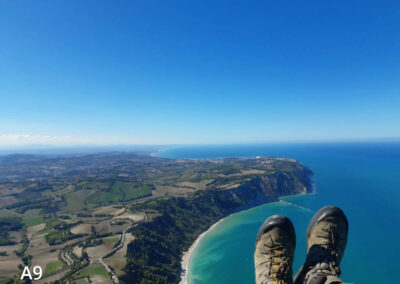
154	256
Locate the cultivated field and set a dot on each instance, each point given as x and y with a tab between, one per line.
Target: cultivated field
118	260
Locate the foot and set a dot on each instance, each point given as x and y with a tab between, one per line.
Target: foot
273	257
326	242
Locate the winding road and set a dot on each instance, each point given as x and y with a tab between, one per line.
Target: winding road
119	246
69	261
66	257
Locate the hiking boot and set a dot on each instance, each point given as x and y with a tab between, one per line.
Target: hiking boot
326	241
273	257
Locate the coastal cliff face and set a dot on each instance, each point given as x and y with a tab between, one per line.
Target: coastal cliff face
182	198
257	191
154	256
269	188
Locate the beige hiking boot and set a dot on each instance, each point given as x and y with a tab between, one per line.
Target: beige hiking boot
273	257
326	242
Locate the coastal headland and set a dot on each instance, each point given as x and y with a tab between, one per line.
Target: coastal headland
125	217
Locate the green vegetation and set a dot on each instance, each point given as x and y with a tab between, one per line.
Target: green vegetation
33	221
95	185
77	200
60	236
53	267
187	197
51	223
111	239
55	237
91	270
119	192
4	280
5	239
154	256
10	223
57	231
25	244
132	191
45	204
7	224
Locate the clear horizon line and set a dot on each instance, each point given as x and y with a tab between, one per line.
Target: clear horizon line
294	141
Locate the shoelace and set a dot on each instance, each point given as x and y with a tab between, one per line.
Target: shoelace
333	242
326	262
278	263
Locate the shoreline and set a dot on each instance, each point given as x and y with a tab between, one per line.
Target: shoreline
187	255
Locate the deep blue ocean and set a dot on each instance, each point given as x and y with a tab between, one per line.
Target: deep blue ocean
361	178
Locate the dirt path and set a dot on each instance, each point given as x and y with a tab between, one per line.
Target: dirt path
66	257
119	246
69	261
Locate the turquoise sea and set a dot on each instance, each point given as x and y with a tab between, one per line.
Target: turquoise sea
362	178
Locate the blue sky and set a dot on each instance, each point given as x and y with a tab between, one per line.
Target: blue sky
167	72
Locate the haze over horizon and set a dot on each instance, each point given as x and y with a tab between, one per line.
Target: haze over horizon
76	73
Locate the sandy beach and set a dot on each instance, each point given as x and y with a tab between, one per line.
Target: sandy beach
188	254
